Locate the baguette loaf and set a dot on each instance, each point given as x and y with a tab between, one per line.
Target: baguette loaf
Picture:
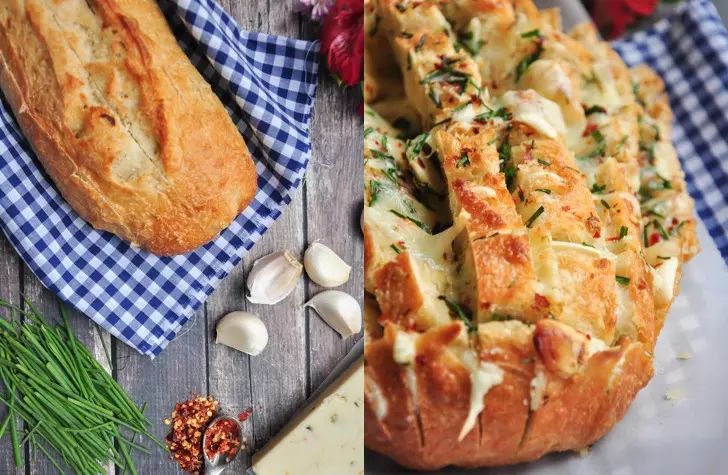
126	127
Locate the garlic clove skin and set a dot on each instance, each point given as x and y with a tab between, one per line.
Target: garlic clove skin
324	266
339	310
242	331
273	277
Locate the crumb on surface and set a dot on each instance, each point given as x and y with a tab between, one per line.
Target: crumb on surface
675	394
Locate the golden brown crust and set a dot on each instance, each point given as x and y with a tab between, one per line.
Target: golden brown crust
131	134
559	273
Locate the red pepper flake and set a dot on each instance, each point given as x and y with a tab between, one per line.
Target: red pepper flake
589	129
188	422
243	416
222	438
654	238
539	301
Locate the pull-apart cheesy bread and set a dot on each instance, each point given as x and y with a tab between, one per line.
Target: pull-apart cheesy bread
526	223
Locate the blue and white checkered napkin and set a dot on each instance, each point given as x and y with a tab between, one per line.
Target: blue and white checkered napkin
268	85
689	50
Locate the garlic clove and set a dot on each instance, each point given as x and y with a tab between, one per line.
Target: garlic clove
339	309
324	266
242	331
273	277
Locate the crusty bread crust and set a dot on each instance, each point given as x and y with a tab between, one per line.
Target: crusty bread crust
126	127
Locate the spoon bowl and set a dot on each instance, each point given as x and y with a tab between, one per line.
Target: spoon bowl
219	462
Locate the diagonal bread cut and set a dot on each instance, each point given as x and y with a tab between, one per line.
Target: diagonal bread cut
522	251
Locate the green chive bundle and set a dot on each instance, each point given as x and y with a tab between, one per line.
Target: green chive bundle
72	408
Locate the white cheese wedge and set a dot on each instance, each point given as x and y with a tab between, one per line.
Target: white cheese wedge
326	437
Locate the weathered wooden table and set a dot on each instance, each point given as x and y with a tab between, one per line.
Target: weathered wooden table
302	349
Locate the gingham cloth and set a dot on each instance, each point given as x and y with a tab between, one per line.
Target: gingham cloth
689	50
268	84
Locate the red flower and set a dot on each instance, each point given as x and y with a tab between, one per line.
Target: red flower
342	41
614	16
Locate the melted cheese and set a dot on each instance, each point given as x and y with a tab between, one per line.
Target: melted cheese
483	376
379	402
404	348
664	277
532	109
537	389
593	251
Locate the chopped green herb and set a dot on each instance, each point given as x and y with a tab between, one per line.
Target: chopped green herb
405	34
417	143
623	231
544	190
652	212
471	44
621	143
590	79
645	240
374	189
605	204
534	216
385	143
435	97
378	154
461	106
544	162
501	113
660	229
498	317
664	258
676	230
464	160
368	131
461	313
506	165
528	60
531	34
587	245
446	73
622	280
395	248
421	43
597	188
595	109
419	223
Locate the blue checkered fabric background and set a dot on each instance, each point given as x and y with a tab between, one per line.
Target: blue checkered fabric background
689	49
268	84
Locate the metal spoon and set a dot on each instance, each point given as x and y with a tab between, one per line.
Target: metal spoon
217	464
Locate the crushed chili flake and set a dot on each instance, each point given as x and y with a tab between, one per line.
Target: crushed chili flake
222	438
243	416
188	422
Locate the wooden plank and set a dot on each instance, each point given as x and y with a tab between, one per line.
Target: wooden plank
278	375
229	369
178	373
10	291
333	199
